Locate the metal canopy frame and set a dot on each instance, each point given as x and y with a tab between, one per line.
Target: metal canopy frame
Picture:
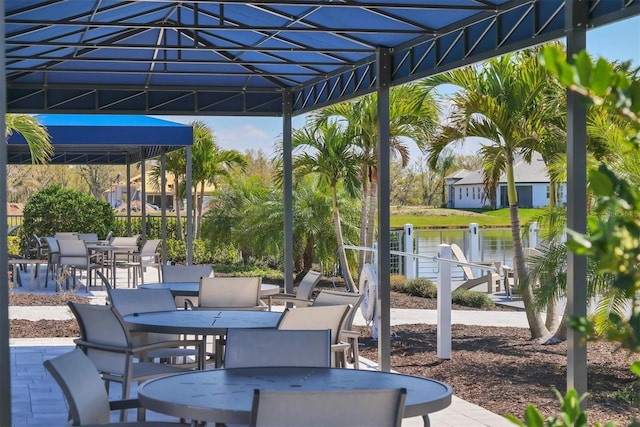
270	58
237	58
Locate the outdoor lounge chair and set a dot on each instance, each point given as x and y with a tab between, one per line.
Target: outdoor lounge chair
347	334
248	348
228	293
84	390
491	278
303	293
129	301
336	408
330	317
185	273
73	254
106	340
136	262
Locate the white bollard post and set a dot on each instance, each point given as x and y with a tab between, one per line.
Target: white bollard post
533	235
409	261
474	246
443	336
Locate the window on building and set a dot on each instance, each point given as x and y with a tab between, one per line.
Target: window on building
548	192
460	194
467	192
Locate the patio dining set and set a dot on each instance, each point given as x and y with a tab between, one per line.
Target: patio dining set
234	351
68	253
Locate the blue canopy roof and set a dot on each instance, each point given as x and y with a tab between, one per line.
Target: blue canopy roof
103	139
262	57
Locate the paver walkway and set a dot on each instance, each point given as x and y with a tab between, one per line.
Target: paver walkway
37	401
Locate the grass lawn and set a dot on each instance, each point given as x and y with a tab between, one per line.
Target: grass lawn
422	217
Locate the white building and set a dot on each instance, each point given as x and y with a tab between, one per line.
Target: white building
466	189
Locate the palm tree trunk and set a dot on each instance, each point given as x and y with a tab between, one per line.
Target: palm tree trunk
363	220
371	218
344	264
176	206
536	324
560	335
199	211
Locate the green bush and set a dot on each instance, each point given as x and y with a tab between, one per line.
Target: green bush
471	298
55	209
421	287
177	252
13	245
398	283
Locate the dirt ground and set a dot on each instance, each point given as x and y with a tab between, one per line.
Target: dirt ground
500	369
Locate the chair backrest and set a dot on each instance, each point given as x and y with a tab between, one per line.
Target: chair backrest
101	324
229	292
336	408
459	255
88	237
246	348
308	284
129	301
52	244
73	253
126	241
150	247
82	386
325	298
185	273
66	235
330	317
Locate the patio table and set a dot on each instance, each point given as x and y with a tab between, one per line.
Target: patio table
224	396
201	322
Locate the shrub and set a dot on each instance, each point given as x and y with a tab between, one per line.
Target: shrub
421	287
398	283
177	252
13	245
55	209
471	298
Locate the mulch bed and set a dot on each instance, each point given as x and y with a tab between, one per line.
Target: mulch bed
498	368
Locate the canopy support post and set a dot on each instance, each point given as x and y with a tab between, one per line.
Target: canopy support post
287	161
384	212
576	18
189	208
5	354
163	202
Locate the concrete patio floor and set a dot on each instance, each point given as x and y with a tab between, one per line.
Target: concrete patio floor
38	401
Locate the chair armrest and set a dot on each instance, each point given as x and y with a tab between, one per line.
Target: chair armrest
289	298
188	304
349	334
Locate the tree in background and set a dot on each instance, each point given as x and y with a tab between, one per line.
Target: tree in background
210	164
413	114
97	177
176	164
327	152
498	101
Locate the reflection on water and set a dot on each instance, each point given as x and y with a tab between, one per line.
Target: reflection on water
495	245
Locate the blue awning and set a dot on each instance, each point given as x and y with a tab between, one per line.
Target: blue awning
103	139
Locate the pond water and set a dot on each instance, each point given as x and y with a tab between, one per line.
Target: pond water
495	245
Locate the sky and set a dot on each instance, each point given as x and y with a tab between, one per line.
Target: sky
619	41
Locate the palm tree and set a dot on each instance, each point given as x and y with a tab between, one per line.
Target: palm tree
176	164
327	151
498	101
210	163
34	133
413	114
